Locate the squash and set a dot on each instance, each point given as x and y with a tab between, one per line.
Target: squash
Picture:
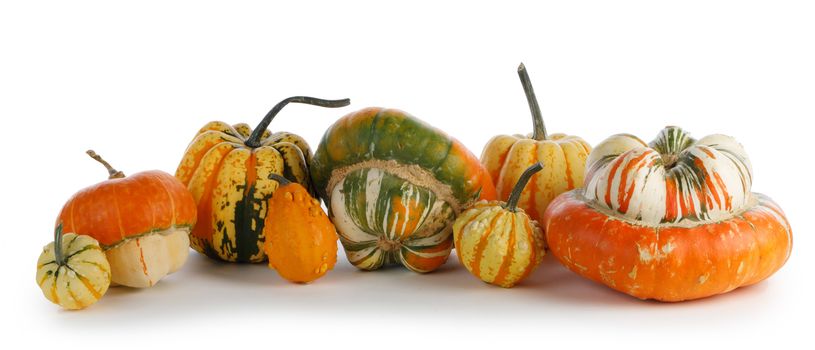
301	242
496	241
141	221
227	168
507	156
671	220
393	186
72	271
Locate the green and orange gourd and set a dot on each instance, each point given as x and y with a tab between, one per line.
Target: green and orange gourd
393	186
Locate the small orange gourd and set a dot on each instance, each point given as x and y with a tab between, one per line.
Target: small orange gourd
301	242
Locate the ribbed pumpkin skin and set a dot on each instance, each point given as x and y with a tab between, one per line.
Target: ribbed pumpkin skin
84	277
671	221
496	245
394	185
564	159
136	220
231	186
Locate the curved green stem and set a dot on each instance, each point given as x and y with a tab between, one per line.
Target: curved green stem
58	257
280	179
114	174
512	202
539	131
254	139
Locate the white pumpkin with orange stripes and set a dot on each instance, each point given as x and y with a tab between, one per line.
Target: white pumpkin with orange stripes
677	179
496	241
671	220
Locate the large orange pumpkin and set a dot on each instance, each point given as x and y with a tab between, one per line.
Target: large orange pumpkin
141	221
506	157
673	220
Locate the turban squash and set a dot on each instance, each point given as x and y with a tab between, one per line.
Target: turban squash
672	220
393	186
141	221
506	157
72	271
227	168
496	241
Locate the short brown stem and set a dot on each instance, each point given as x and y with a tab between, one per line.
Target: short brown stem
114	174
280	179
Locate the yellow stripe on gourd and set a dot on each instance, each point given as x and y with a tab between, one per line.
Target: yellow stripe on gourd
228	190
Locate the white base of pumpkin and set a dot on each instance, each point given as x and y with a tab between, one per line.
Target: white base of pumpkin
141	262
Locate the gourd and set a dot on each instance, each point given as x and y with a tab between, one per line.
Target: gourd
496	241
227	168
72	271
671	220
393	186
301	242
507	156
141	222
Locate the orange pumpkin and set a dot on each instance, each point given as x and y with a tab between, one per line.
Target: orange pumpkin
141	221
506	157
301	242
671	220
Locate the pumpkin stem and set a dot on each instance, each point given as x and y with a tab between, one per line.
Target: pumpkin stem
539	130
58	257
114	174
280	179
512	202
254	139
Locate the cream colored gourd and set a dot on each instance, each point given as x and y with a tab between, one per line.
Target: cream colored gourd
72	271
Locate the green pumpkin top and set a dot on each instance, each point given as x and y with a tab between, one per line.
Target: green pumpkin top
373	134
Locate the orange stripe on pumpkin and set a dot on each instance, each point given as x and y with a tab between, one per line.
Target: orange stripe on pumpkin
482	244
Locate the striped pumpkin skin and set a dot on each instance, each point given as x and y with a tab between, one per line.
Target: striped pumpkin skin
675	180
671	221
141	221
418	172
498	246
383	219
231	186
81	280
564	159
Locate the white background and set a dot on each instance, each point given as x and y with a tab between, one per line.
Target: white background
135	82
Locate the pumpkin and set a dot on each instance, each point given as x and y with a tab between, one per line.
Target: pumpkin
671	220
393	186
496	241
72	271
507	156
301	242
227	168
141	221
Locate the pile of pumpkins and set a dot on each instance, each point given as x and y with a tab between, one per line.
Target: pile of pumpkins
670	220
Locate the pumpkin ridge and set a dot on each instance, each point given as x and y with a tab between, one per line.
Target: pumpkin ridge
501	275
482	244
